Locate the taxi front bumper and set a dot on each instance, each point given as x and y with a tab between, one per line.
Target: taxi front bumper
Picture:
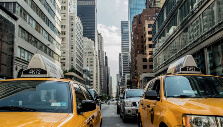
131	112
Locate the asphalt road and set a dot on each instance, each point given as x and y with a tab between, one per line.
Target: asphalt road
110	118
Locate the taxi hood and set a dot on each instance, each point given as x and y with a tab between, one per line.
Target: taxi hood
30	119
200	106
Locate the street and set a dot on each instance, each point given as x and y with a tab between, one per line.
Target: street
110	118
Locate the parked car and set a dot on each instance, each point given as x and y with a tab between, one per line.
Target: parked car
96	96
130	103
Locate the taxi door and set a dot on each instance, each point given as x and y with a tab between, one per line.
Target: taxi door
84	119
94	115
152	106
144	104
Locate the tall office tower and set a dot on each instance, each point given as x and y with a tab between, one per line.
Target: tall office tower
87	11
37	30
101	60
135	8
125	55
90	61
120	64
106	71
71	35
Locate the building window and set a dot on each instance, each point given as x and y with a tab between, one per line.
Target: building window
151	66
150	52
149	32
63	7
150	39
150	45
63	32
150	25
150	59
144	59
144	66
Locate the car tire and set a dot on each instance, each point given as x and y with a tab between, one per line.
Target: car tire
124	119
139	121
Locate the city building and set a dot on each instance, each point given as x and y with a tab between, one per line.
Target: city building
110	87
37	30
125	51
135	7
7	41
72	38
101	58
117	84
189	27
87	11
105	81
90	61
155	3
141	47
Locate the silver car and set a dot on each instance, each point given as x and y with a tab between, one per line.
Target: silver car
130	103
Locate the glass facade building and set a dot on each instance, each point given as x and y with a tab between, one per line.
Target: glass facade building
86	10
189	27
135	7
125	56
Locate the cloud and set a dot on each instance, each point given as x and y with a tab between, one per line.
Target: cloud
111	35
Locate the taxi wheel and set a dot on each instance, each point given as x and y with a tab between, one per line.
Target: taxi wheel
124	119
139	121
101	123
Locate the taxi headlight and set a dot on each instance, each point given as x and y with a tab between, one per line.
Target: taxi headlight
128	103
199	121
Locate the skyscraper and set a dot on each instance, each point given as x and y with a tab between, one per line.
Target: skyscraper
71	35
101	58
125	55
87	11
135	8
90	61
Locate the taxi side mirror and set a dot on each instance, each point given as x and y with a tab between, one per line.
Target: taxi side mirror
86	106
151	95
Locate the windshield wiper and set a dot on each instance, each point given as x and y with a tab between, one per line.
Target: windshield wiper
17	108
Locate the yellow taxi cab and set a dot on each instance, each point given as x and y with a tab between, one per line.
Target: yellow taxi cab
42	99
182	98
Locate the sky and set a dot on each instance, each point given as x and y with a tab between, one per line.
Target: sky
110	13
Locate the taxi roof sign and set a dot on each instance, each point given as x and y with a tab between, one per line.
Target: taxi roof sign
40	66
185	64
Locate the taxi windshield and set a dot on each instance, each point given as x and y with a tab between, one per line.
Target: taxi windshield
35	96
193	87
